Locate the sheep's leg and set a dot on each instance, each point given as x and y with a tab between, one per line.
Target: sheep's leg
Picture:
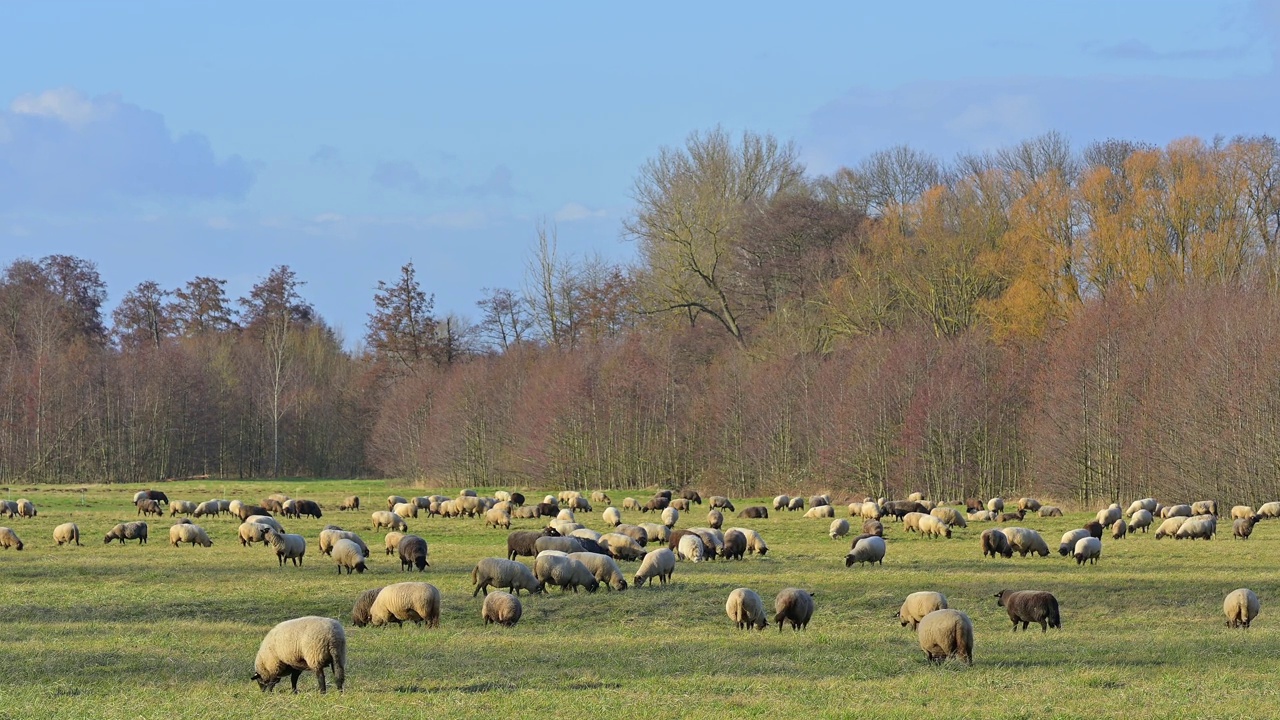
293	679
320	679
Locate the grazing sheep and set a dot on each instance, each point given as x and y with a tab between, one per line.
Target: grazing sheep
1108	516
502	608
950	516
182	507
1029	504
819	500
66	534
140	495
331	535
287	547
855	509
780	502
1030	606
564	572
869	550
757	512
1024	541
502	573
872	527
901	508
1204	507
188	533
599	496
944	634
522	543
721	502
1119	529
821	511
307	643
1241	607
563	544
670	516
715	519
794	606
580	503
1269	510
277	506
208	507
248	511
391	543
657	532
996	543
1240	512
735	545
839	528
612	516
659	563
348	555
712	542
8	508
1243	527
145	507
265	520
413	553
1196	527
393	500
982	516
252	532
1140	520
871	511
603	568
1089	548
691	548
360	611
1176	511
389	520
931	526
637	533
745	608
630	504
918	605
127	531
1069	539
795	504
755	543
691	495
565	515
680	504
995	504
233	507
10	539
1050	511
1170	526
916	496
350	502
1094	528
417	602
497	518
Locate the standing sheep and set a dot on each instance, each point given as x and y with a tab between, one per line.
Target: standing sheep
67	533
182	507
660	563
252	532
715	519
950	516
1069	539
745	608
873	527
413	553
331	535
1140	520
502	608
995	543
1025	540
794	606
303	644
127	531
1089	548
780	502
1198	526
630	503
1030	606
188	533
391	542
1243	527
1240	512
10	539
931	526
605	570
418	602
918	605
360	612
670	516
1108	516
795	504
869	550
944	634
388	520
839	528
755	543
350	502
503	573
497	518
148	507
1119	529
348	555
1204	507
393	500
612	516
691	548
1170	526
995	505
721	502
287	547
1241	607
27	509
1269	510
564	572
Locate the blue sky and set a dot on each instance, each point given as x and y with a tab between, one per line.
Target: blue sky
167	140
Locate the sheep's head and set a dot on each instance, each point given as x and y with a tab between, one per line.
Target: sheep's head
1000	598
264	684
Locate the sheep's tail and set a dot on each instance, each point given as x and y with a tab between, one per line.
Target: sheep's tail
338	658
964	642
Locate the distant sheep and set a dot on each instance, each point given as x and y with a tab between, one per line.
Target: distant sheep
1176	511
630	504
868	550
659	563
995	504
350	502
715	518
1140	520
872	527
1204	507
680	504
67	534
916	496
944	634
502	608
1269	510
1088	549
795	504
995	544
918	605
10	539
871	511
563	544
755	512
1029	504
982	516
950	516
393	500
1030	606
303	644
657	532
820	512
389	520
1243	527
1025	541
416	602
931	526
503	573
1108	516
127	531
1197	527
780	502
839	528
1050	511
145	507
599	496
1119	529
1241	607
182	507
691	495
1240	512
721	502
252	532
188	533
745	608
794	606
1169	528
497	518
208	507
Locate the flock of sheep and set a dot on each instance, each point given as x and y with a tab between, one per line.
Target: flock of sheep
568	555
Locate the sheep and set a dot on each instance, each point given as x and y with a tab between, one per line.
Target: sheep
417	602
1198	526
551	542
869	550
691	495
287	547
502	573
819	501
995	543
145	507
248	511
348	555
1119	529
1269	510
637	533
565	515
10	539
680	504
1240	512
995	504
973	505
1024	541
564	528
389	520
794	606
950	516
1011	517
1170	526
233	507
622	547
605	570
331	535
182	507
140	495
839	528
1069	539
599	496
795	504
350	502
871	511
670	516
612	516
657	532
497	518
391	543
734	545
982	516
745	608
502	608
252	532
208	507
276	506
872	527
66	534
1108	516
1089	548
900	508
931	526
188	533
307	643
413	553
1241	607
1094	528
630	504
1176	511
659	563
1204	507
564	572
586	534
265	520
719	501
1243	527
855	509
1050	511
757	512
127	531
944	634
916	496
712	541
780	502
393	500
821	511
360	611
8	508
1140	520
580	503
1029	504
715	519
918	605
1030	606
691	548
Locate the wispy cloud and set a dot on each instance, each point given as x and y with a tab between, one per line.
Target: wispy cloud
404	176
326	155
573	212
1134	49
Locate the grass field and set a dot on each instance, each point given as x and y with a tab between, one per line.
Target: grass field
160	632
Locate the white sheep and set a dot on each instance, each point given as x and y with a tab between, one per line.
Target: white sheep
564	572
503	573
869	550
622	547
391	543
389	520
780	502
1069	539
266	520
252	532
418	602
288	547
660	563
1198	526
1140	520
497	518
1088	548
1024	540
745	608
1269	510
1241	607
1169	527
690	548
303	644
188	533
1242	512
331	535
670	516
348	555
66	534
995	504
820	512
405	509
931	526
918	605
950	516
10	539
502	608
946	633
605	570
839	528
612	516
1108	516
656	532
871	511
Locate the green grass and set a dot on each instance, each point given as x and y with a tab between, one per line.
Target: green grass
162	632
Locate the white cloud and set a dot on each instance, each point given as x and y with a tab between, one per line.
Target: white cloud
573	211
220	222
64	104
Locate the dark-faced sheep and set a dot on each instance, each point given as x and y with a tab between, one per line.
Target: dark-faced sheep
1088	549
1069	539
360	612
795	504
1095	528
127	531
722	503
1026	541
660	564
918	605
350	502
1030	606
67	534
745	608
780	502
755	512
10	539
503	573
944	634
417	602
735	544
995	544
149	507
1243	527
413	553
303	644
866	550
794	606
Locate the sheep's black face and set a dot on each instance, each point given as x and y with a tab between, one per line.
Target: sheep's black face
265	685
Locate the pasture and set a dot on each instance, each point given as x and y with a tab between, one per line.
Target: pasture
110	631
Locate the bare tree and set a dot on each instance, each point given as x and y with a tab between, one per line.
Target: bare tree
505	319
144	317
402	329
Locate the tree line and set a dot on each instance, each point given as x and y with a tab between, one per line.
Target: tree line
1086	325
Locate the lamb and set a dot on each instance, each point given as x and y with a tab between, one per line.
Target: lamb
1050	511
350	502
10	539
413	553
735	544
1169	527
931	526
1024	541
1069	539
755	543
1119	529
1204	507
794	606
605	570
287	547
944	634
873	527
307	643
1090	549
719	501
417	602
918	605
839	528
950	516
795	504
497	518
564	572
822	511
1108	516
1140	520
563	544
502	608
502	573
1269	510
331	535
188	533
360	612
389	520
715	519
995	543
691	548
612	516
660	563
182	507
670	516
1030	606
1241	607
869	550
67	533
1243	527
745	608
127	531
780	502
145	507
348	555
1198	526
